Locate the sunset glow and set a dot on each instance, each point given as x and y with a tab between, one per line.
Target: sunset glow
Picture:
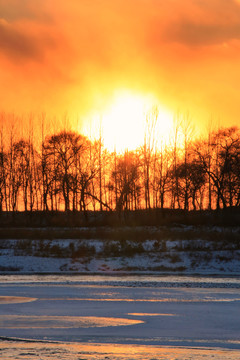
69	58
123	122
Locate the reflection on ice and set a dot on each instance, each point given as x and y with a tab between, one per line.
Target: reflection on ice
15	299
48	351
56	322
150	314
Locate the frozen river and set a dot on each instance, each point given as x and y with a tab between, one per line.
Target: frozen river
119	317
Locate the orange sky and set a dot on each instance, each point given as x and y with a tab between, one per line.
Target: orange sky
71	56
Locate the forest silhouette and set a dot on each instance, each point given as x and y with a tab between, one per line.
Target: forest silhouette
67	171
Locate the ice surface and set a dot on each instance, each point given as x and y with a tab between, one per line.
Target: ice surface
122	314
119	318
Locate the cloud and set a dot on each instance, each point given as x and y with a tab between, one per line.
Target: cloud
17	44
24	30
198	34
204	23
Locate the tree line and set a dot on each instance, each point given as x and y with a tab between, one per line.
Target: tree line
68	171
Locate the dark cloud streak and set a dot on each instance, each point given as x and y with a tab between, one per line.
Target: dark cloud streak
203	23
17	45
193	34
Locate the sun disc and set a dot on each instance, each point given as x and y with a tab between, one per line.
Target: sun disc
122	123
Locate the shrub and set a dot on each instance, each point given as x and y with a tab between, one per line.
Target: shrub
111	248
56	251
83	250
174	258
23	247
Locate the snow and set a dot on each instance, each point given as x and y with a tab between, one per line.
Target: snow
137	263
201	262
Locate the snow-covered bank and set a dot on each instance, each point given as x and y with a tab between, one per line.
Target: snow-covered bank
155	250
139	263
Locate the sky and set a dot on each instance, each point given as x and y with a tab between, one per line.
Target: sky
71	57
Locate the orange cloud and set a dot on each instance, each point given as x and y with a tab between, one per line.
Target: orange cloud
17	44
71	56
209	24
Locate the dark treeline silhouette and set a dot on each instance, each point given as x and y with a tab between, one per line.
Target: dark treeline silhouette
69	172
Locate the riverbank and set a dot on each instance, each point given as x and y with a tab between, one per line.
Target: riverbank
154	249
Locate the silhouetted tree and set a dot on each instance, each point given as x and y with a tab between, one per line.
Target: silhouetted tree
162	176
60	155
224	156
175	199
125	178
148	150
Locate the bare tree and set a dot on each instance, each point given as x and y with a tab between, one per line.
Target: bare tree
187	129
148	152
125	178
60	153
224	156
175	200
3	163
162	176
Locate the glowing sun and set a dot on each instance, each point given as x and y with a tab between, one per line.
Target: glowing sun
123	122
